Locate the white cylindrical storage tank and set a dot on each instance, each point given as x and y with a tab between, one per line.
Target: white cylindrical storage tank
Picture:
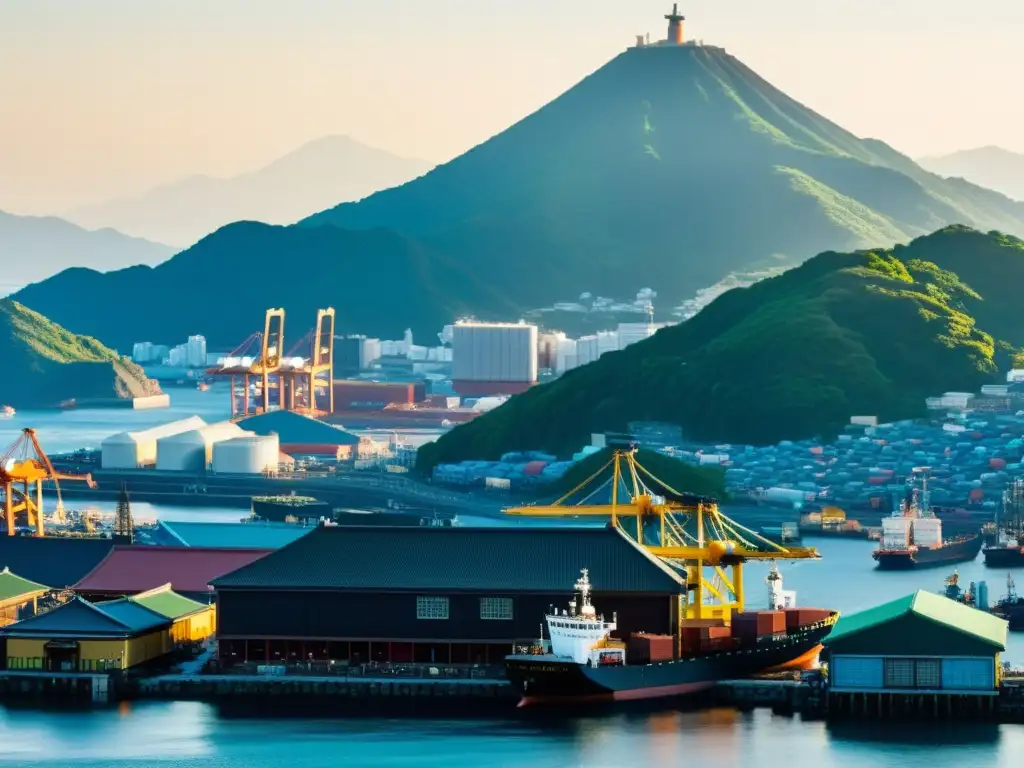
247	455
192	451
120	451
130	450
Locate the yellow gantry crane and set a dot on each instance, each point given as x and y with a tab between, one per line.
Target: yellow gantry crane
689	533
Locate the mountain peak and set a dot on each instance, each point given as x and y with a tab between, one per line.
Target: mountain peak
318	173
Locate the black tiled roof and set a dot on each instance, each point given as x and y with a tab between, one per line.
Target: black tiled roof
56	562
458	559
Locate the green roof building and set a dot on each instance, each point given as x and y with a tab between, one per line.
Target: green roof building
920	644
18	597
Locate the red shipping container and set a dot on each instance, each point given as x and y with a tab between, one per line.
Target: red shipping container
534	467
715	633
753	624
997	463
643	648
802	617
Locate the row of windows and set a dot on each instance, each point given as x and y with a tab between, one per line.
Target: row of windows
498	608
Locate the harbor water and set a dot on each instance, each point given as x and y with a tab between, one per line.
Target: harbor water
192	735
189	734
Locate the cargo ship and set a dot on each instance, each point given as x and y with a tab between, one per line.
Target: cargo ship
912	536
1008	549
307	510
581	662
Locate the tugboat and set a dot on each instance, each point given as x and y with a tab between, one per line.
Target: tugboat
1008	549
583	663
912	536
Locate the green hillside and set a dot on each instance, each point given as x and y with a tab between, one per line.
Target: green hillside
699	481
668	168
794	356
47	364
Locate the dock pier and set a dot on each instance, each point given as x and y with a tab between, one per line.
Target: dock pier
813	701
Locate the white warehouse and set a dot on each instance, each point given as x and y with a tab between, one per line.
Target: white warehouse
247	455
193	450
131	450
493	358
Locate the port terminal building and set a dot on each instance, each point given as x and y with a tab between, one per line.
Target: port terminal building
924	652
80	637
353	595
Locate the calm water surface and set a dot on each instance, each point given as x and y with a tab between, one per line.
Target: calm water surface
192	735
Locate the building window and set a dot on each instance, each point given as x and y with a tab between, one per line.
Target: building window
899	673
929	673
495	607
431	607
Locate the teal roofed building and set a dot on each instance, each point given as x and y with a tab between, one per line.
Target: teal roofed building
255	535
923	649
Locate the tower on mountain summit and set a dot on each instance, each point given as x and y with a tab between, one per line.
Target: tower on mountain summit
675	26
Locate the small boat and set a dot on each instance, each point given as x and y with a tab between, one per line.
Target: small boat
202	386
7	412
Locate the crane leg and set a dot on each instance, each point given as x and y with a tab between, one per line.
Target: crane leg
9	508
39	509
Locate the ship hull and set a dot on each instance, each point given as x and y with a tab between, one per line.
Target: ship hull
552	680
1004	557
962	551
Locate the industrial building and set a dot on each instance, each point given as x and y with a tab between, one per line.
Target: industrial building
191	621
192	451
19	598
431	595
79	636
132	450
927	647
302	435
355	395
493	358
128	570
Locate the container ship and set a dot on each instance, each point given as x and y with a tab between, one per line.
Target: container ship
582	663
912	537
1008	551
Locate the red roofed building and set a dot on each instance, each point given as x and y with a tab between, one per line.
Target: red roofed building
127	570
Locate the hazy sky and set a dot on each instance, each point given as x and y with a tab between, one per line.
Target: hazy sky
103	98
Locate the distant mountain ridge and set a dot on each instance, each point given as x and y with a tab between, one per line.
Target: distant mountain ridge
992	167
667	168
315	175
35	247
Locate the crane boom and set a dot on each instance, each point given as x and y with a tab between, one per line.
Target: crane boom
689	532
22	481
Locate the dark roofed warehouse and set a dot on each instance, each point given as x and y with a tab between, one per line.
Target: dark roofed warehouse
437	595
